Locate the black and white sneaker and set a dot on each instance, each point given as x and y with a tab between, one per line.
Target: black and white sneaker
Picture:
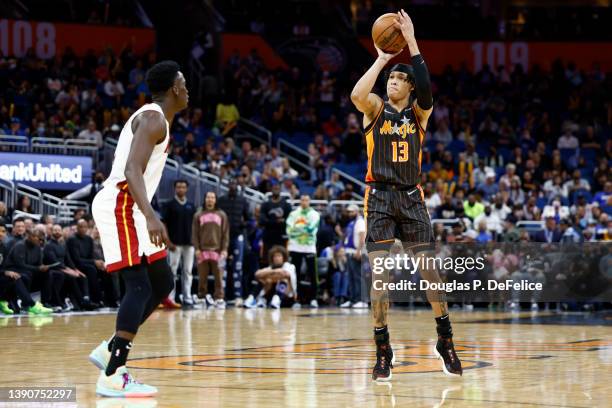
384	363
445	350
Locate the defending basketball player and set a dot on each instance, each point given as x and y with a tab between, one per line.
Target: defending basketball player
394	200
132	237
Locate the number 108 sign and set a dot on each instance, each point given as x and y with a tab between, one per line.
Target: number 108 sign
17	37
47	40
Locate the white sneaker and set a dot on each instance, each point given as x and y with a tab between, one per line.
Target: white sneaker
100	356
360	305
220	304
275	303
238	302
296	306
535	307
261	302
121	384
250	302
469	307
314	304
346	304
209	300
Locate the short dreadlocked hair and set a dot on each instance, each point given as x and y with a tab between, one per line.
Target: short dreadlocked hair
160	77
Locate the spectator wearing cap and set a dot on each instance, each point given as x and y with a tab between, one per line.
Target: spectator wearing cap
15	129
550	233
354	240
489	188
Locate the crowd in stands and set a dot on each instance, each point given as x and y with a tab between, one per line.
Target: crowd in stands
502	146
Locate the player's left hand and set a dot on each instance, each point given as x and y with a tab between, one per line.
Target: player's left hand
223	254
404	23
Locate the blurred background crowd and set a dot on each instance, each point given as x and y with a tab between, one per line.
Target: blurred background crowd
506	146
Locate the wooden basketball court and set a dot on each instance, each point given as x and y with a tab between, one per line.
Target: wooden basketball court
273	358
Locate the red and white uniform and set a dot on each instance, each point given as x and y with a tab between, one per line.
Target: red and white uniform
123	228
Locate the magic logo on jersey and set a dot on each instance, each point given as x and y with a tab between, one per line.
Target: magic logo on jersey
404	129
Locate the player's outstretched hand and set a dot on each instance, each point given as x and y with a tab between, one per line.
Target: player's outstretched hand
404	23
157	232
386	56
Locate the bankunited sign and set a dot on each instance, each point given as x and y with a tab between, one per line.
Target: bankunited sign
45	171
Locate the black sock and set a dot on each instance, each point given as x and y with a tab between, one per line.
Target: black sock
381	335
119	354
443	327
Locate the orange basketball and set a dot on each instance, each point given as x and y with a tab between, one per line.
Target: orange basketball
386	36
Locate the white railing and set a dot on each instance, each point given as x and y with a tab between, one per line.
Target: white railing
61	210
531	225
14	143
7	192
255	130
33	194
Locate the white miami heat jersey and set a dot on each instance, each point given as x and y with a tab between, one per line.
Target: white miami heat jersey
157	161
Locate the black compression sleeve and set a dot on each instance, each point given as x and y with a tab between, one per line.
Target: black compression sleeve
422	82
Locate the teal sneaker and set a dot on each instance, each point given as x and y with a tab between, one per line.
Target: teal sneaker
4	308
100	356
39	309
122	385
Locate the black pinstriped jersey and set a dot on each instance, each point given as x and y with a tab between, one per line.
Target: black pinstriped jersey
394	145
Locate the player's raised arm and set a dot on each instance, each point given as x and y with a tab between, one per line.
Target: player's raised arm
424	102
149	128
366	102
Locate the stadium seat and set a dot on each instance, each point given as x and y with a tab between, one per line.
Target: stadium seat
541	202
569	157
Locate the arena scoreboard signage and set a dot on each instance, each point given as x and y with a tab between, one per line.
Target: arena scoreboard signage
475	54
50	39
46	171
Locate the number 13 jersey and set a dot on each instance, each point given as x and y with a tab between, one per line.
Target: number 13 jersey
394	142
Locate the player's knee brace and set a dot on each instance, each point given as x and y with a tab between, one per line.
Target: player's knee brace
137	293
162	278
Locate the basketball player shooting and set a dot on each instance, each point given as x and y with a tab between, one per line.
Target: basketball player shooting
133	238
394	200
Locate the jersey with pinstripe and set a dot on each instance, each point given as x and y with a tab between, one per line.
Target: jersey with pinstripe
394	146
